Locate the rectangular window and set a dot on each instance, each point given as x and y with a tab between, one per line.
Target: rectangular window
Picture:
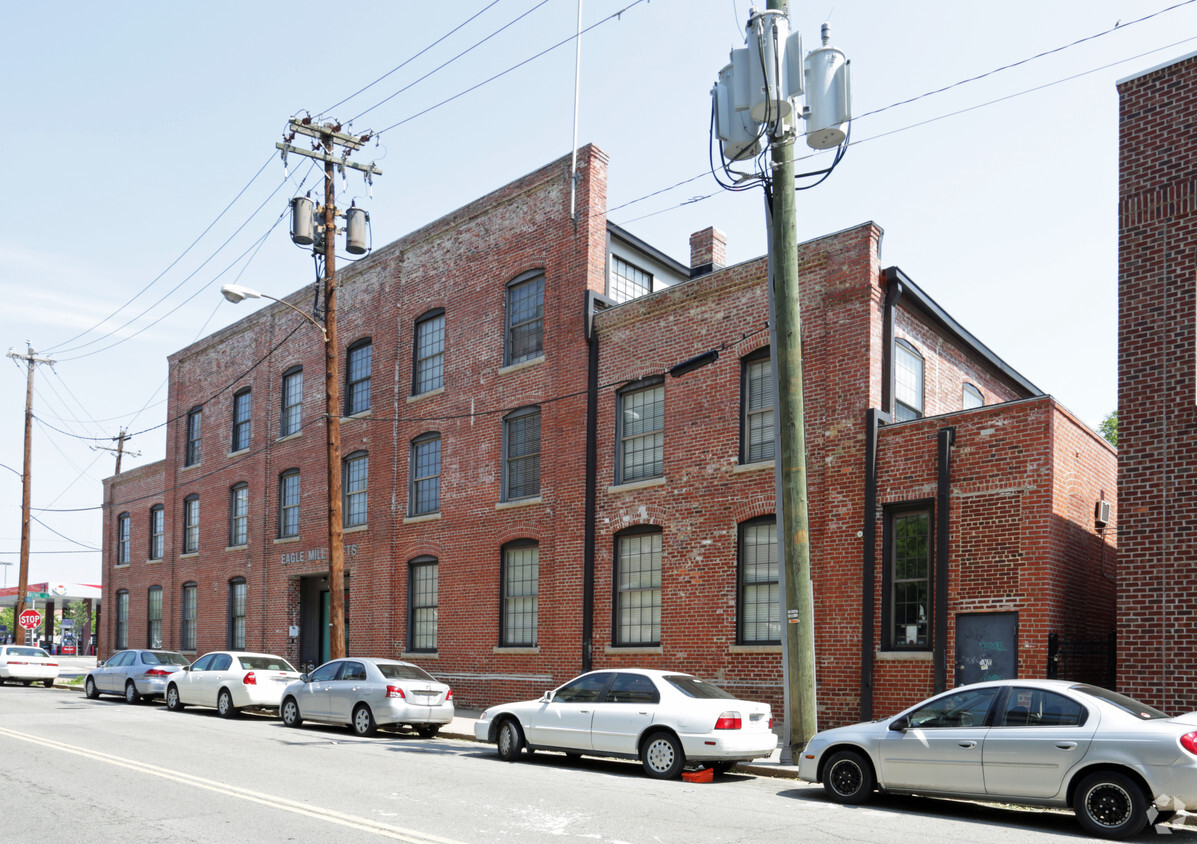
425	493
157	532
353	483
288	504
187	637
642	434
759	444
122	539
153	614
521	450
423	606
908	576
241	421
521	582
638	589
430	354
237	615
525	319
191	524
628	281
195	424
291	414
759	610
122	620
239	515
908	382
357	377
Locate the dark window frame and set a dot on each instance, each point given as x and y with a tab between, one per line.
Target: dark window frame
622	439
355	514
417	627
904	411
418	485
188	615
528	323
288	513
889	582
157	549
512	422
748	413
122	620
238	601
191	526
124	538
291	402
507	602
153	617
242	423
239	514
194	434
357	376
428	353
617	635
742	534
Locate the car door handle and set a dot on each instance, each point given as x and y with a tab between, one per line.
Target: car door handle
1066	745
967	745
583	711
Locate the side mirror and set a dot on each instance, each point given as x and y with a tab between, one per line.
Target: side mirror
186	667
901	725
99	662
547	697
304	678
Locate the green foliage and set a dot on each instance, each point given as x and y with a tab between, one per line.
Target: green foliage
1109	428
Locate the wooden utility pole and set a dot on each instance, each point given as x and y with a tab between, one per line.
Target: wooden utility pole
119	451
26	482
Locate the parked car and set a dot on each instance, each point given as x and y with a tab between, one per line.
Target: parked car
27	664
1027	742
367	693
134	674
230	681
663	718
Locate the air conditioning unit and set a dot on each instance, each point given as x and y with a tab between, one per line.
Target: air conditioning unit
1101	513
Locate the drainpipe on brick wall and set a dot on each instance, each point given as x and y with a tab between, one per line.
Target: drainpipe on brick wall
893	293
592	362
868	575
943	531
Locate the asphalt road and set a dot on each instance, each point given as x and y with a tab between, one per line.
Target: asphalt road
106	770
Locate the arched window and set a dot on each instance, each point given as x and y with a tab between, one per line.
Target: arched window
239	515
641	431
237	614
122	539
525	317
288	503
122	619
637	584
242	420
422	605
521	453
187	608
291	412
757	442
908	382
357	377
971	397
195	424
153	617
428	357
191	524
758	594
157	531
424	488
520	584
356	474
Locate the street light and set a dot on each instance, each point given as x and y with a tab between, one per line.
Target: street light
236	293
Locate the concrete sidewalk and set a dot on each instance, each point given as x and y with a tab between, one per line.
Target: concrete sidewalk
462	727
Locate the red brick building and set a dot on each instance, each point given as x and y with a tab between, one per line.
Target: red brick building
530	493
1157	386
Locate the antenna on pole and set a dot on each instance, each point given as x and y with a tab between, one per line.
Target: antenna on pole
573	167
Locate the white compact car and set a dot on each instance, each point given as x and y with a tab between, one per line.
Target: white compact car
367	693
28	665
663	718
230	681
1117	762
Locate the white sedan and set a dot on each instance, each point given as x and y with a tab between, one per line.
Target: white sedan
230	681
665	719
25	664
366	693
1118	763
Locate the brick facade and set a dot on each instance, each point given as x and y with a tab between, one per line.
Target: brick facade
1024	474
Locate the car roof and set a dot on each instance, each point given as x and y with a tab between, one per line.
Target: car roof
647	672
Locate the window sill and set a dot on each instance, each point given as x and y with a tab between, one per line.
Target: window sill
523	364
519	502
634	485
189	466
911	656
758	466
285	437
189	555
754	649
408	655
242	547
427	394
516	651
427	517
355	529
121	565
284	540
155	562
615	650
353	417
239	452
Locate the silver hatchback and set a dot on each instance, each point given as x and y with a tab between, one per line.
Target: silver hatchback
133	674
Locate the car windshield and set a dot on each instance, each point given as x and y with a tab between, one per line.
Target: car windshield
1127	704
693	687
265	663
151	658
26	652
393	671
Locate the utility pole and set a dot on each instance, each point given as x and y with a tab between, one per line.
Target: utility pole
26	482
328	136
119	439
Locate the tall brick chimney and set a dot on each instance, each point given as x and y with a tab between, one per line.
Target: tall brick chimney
708	251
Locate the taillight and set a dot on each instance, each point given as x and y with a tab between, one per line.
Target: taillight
394	691
1189	742
729	721
770	722
250	679
157	672
449	696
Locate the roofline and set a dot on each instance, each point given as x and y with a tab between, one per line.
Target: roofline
623	234
912	292
1153	69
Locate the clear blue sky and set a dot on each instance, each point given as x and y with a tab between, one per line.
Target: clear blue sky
132	126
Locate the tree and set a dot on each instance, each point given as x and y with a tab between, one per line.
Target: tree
1109	428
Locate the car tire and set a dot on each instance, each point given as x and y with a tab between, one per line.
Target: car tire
722	767
49	684
363	721
290	714
509	741
224	705
428	730
1110	805
173	702
89	689
848	778
131	693
662	756
27	683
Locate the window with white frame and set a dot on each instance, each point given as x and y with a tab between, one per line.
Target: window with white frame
157	531
239	514
288	503
429	354
356	474
521	581
525	318
291	412
971	397
908	382
638	588
641	432
757	441
191	524
424	489
627	280
759	593
422	605
242	420
521	454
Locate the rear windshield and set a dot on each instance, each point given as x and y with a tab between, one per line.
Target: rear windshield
693	687
1127	704
26	652
404	672
152	658
265	663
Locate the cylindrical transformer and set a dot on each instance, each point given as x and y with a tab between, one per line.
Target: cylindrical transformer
827	96
302	233
355	230
769	80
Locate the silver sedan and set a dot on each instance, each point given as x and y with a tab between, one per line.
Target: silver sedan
134	674
1119	763
368	692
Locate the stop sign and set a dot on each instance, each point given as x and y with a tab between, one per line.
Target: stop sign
30	619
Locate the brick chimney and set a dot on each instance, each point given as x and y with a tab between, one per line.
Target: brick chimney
708	251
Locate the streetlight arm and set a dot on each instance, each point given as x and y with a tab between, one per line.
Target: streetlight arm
236	294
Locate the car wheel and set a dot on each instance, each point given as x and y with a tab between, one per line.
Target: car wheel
290	713
224	705
662	756
49	684
848	778
1110	805
510	740
27	682
173	703
722	767
131	693
428	730
363	722
89	689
